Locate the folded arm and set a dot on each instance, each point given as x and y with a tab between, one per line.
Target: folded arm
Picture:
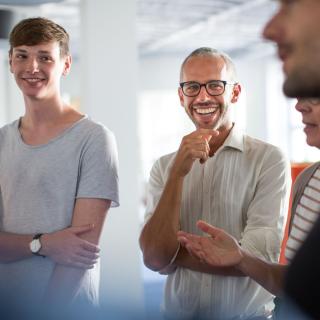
65	280
14	247
63	247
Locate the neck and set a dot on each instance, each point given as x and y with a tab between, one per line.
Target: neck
38	112
216	143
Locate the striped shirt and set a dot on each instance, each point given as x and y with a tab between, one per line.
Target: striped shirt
244	190
306	214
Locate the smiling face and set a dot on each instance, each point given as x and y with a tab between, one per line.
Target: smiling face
310	111
206	111
295	30
37	69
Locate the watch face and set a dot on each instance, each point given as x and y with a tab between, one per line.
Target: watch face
35	245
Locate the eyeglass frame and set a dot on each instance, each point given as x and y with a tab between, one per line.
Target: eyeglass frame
205	86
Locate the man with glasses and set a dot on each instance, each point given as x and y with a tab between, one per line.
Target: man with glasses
222	176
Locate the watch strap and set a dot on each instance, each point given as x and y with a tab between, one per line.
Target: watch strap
37	236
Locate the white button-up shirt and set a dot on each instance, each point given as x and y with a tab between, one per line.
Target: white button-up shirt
243	189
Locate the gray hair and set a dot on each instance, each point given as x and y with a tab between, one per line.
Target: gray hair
207	51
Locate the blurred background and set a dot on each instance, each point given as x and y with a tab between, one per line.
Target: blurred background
125	74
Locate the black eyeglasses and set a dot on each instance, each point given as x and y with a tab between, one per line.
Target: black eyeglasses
213	87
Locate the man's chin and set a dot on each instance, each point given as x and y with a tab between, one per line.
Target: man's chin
301	85
206	126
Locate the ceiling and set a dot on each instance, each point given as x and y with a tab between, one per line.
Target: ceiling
175	26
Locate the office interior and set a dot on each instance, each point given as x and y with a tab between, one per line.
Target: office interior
125	74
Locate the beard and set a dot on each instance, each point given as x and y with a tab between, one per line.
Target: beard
223	110
303	82
223	117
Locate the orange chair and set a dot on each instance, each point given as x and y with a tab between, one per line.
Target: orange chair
296	168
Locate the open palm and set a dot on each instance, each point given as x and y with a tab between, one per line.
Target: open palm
218	249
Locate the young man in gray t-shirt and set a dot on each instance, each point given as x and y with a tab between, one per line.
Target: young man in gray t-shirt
58	179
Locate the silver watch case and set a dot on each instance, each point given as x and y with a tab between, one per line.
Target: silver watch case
35	246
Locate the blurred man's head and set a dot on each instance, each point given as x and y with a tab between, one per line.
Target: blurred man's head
295	28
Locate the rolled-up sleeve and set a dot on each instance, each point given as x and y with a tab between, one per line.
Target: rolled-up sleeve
267	212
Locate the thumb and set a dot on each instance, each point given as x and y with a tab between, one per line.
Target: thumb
81	229
207	228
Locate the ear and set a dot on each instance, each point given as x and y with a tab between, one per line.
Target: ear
181	96
67	65
236	93
10	61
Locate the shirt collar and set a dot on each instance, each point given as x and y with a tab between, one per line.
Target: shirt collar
235	139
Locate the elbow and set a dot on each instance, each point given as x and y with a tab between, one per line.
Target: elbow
156	254
153	261
153	257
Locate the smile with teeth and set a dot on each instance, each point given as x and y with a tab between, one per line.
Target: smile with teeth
33	79
205	110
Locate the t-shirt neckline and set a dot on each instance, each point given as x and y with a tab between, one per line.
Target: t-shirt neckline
59	136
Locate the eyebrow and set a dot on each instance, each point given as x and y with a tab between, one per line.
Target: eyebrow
19	50
44	51
25	51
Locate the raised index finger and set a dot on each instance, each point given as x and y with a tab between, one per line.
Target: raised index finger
208	228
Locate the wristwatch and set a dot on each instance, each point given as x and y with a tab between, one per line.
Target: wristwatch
35	245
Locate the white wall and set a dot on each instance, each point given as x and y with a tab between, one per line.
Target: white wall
109	91
3	89
11	101
252	75
159	72
268	110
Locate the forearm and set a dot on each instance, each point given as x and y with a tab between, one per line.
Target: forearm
185	260
65	280
14	247
269	275
158	239
64	284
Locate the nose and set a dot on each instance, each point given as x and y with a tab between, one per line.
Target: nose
203	94
271	31
32	65
302	106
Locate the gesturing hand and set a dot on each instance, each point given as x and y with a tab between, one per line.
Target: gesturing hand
67	248
193	146
219	249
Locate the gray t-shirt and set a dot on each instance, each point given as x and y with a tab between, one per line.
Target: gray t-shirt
38	189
